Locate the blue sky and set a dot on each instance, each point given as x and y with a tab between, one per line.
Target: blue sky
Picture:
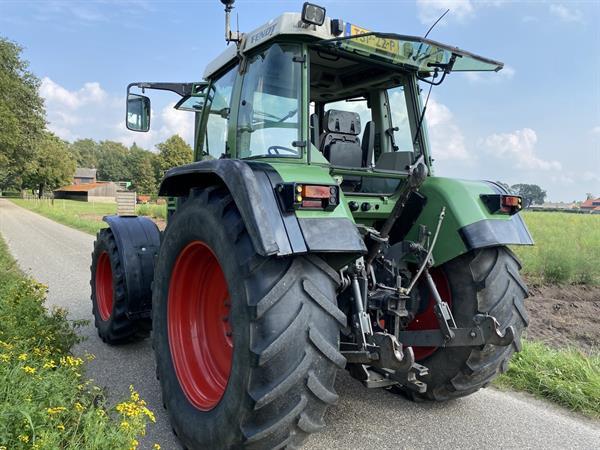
537	121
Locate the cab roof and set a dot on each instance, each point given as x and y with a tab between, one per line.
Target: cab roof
408	52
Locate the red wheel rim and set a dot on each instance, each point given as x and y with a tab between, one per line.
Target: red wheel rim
426	320
104	286
198	326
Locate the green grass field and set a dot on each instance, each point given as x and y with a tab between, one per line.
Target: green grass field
567	248
82	215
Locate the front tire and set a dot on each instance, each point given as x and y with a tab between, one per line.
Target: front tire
484	281
109	294
261	368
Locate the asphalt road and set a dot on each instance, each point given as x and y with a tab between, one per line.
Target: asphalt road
60	257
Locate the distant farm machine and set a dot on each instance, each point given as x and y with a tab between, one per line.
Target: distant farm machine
311	235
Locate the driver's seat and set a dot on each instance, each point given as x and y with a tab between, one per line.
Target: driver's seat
340	143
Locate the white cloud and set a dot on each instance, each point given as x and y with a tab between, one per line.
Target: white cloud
596	130
507	73
518	147
591	176
529	19
91	112
447	140
565	14
430	10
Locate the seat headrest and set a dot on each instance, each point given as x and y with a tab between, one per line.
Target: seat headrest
343	122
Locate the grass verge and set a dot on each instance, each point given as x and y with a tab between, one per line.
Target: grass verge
84	216
45	402
567	377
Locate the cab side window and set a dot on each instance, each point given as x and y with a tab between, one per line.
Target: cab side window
218	104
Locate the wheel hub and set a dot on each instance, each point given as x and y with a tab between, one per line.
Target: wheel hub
104	286
200	335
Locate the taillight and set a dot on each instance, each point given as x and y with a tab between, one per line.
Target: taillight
308	196
502	204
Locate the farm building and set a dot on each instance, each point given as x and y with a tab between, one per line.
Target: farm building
592	205
100	191
84	176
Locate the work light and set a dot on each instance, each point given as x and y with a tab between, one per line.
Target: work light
313	14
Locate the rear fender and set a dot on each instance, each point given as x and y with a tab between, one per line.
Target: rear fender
274	232
138	242
468	224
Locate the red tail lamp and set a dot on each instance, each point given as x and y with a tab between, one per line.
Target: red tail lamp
503	204
295	196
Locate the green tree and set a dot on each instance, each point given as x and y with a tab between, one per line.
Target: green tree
22	115
140	163
532	194
112	162
172	153
86	152
53	165
504	185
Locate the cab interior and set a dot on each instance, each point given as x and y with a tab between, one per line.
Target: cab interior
362	117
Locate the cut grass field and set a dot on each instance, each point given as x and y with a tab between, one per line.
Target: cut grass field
45	401
84	216
567	249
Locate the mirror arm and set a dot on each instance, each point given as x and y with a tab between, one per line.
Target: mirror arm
182	89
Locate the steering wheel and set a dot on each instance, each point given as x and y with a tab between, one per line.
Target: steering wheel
275	149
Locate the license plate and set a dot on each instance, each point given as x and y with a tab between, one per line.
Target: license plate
390	46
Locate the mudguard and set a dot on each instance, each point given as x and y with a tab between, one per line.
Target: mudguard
138	242
272	230
468	224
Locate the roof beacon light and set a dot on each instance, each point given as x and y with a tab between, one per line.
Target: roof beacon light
313	14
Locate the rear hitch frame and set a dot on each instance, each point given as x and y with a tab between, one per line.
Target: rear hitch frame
485	330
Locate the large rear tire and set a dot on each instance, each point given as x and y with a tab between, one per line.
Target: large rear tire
109	294
484	281
246	347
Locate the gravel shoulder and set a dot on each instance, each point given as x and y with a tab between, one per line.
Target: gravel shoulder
60	257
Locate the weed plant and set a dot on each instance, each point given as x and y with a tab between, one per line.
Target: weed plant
45	400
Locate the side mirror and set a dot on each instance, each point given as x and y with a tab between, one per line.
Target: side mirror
138	113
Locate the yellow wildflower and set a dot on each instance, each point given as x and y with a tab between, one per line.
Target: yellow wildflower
24	438
60	427
79	407
156	447
50	364
71	361
29	370
125	425
22	356
56	410
4	358
134	444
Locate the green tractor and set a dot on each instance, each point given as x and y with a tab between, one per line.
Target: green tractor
311	235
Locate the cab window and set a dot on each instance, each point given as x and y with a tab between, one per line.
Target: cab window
218	102
269	119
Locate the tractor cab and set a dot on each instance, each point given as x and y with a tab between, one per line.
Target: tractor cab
330	93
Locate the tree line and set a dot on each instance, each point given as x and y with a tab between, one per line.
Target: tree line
32	157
